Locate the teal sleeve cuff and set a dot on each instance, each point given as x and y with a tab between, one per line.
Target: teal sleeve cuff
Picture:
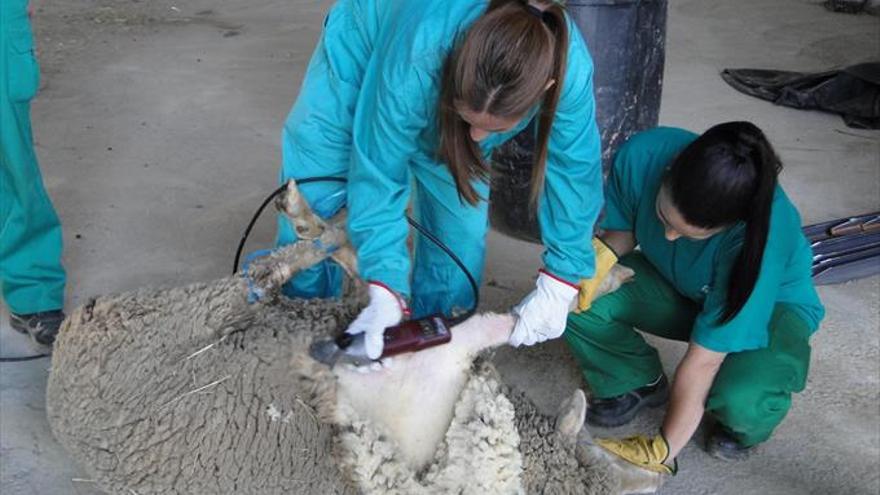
614	220
727	347
557	265
730	339
395	279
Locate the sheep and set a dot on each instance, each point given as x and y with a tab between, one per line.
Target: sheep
148	414
198	389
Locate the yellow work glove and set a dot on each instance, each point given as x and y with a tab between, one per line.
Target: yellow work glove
647	453
605	259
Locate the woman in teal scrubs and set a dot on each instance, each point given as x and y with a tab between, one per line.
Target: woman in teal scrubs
407	99
723	265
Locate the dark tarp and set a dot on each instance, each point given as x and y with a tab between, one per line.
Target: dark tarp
852	92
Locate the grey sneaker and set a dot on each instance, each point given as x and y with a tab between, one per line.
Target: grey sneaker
42	327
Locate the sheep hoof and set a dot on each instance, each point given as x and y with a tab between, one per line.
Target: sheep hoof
570	419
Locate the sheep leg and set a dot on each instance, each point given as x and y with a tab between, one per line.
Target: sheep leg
318	240
618	276
571	415
345	256
339	219
269	273
347	259
306	224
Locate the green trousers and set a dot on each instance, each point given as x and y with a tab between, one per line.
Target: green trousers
31	274
752	391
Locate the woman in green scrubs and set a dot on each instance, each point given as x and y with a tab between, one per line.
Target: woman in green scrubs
722	264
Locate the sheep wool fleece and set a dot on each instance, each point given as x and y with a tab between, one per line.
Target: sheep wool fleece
194	390
367	111
31	274
189	390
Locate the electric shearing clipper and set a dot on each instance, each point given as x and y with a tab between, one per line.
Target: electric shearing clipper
409	336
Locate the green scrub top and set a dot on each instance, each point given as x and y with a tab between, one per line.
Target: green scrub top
700	269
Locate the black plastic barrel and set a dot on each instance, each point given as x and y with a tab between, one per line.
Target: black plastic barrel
627	40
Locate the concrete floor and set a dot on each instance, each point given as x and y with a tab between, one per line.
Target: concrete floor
157	131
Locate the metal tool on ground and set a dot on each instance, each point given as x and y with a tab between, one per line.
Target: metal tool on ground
852	92
845	249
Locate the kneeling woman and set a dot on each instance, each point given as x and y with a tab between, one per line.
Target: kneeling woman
722	265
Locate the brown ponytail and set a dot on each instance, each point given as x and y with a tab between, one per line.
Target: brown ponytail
502	67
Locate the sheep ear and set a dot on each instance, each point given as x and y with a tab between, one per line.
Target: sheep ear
572	413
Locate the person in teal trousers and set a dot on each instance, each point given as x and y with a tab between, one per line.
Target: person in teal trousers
407	99
31	274
723	265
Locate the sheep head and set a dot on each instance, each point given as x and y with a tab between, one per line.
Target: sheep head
632	478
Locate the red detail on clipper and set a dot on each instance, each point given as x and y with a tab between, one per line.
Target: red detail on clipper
415	335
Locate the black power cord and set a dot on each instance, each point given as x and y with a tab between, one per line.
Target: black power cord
474	288
18	359
420	228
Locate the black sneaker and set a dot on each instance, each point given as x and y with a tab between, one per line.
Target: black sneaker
42	327
722	444
621	409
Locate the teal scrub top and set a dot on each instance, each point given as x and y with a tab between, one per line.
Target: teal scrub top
395	129
700	269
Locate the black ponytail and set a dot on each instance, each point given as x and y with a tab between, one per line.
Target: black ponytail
728	175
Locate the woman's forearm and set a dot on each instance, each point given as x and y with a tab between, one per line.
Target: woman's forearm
620	241
690	387
683	416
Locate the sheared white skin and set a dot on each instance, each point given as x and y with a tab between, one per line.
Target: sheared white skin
413	401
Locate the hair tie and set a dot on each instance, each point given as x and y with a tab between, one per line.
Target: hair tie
546	17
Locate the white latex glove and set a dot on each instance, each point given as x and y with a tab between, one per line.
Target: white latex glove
543	313
386	309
